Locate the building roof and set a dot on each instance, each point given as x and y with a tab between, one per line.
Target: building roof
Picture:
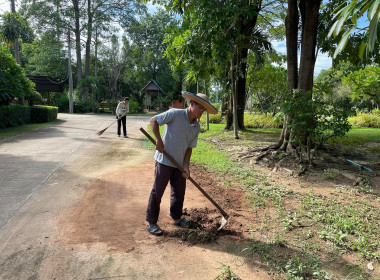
46	84
152	85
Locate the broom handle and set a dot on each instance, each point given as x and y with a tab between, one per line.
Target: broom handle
116	120
191	179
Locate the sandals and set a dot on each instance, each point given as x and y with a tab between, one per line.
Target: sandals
155	230
183	223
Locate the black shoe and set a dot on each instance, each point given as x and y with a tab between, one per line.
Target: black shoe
125	136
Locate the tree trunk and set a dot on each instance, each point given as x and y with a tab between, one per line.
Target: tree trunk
241	86
70	74
88	47
77	40
309	14
291	22
234	97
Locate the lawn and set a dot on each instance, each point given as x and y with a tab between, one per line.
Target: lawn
12	131
328	219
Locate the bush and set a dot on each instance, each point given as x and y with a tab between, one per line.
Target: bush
13	82
217	118
62	102
262	121
134	107
366	119
40	114
81	106
14	115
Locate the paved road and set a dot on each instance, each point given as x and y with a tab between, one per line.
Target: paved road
28	160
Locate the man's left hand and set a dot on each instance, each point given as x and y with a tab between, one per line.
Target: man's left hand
186	174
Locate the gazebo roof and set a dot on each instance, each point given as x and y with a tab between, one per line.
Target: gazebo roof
152	85
46	84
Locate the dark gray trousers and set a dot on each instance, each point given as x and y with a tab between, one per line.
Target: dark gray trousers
162	175
119	122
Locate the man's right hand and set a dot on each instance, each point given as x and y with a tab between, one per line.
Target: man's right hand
160	145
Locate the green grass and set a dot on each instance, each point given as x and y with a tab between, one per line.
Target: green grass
12	131
348	224
358	136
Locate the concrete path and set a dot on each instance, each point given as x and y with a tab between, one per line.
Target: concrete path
28	160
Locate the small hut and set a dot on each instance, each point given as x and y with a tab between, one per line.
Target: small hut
152	96
45	85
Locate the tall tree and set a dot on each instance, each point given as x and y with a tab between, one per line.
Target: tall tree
219	33
300	80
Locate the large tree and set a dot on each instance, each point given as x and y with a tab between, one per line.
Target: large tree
219	33
302	15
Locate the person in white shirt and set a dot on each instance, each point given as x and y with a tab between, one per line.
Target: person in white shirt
121	111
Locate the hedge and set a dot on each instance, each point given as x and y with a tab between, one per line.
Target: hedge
14	115
41	114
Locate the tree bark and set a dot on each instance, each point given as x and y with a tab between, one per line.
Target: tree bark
70	74
241	82
77	39
291	22
88	47
234	97
309	14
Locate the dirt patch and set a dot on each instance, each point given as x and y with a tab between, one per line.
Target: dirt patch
117	201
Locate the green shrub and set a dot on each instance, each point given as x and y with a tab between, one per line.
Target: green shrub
81	106
261	121
217	118
14	115
134	107
13	82
62	102
366	119
40	114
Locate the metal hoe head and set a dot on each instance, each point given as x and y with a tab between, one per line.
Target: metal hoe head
223	223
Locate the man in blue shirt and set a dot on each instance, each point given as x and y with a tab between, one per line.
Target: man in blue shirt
178	139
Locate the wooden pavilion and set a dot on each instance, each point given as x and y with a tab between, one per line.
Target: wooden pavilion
152	96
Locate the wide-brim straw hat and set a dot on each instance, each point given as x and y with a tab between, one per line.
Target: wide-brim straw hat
202	99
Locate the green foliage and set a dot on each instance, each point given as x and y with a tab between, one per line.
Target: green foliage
262	121
62	102
13	82
304	266
45	56
213	118
226	273
134	107
315	118
353	11
364	83
14	115
345	225
41	114
365	120
267	86
15	27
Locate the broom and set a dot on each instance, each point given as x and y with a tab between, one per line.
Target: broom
101	131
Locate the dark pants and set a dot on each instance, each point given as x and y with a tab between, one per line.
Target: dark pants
162	175
119	121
